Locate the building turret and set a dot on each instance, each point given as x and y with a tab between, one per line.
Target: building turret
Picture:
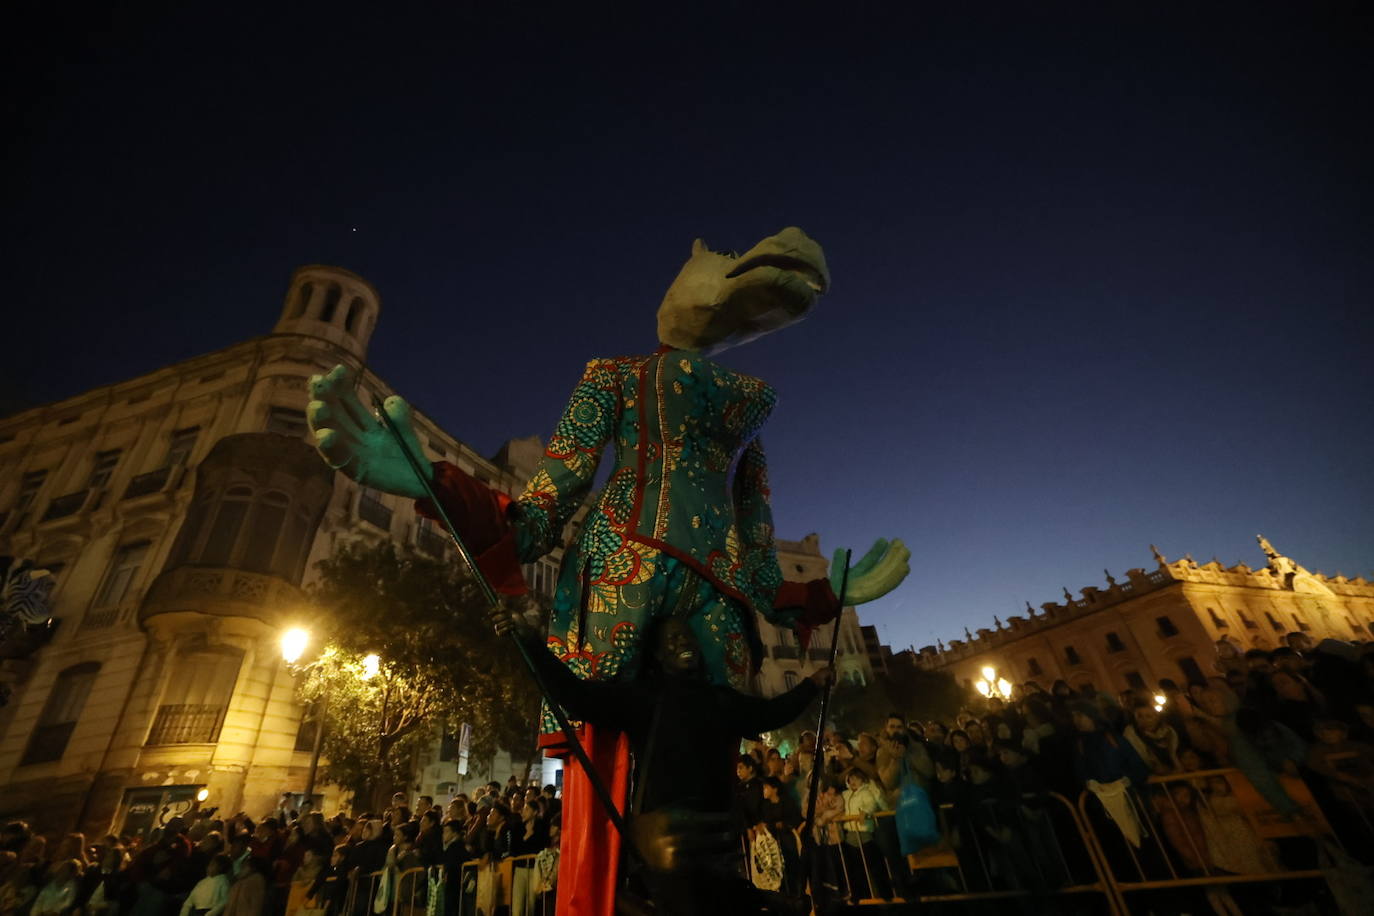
332	303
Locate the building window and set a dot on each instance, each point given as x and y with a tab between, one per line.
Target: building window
105	463
428	539
264	531
372	509
1033	666
120	577
197	697
1134	680
1071	656
789	678
1191	672
180	448
286	422
60	714
331	302
1166	626
224	532
355	309
1273	623
1246	621
1301	624
1217	620
29	485
1114	643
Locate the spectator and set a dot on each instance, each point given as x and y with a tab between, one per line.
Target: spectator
14	836
1345	763
103	886
1153	740
59	894
210	894
748	793
862	801
248	892
1296	703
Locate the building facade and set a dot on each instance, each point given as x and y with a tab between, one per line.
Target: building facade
1161	623
182	513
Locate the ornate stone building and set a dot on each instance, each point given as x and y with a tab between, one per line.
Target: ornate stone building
1162	623
182	512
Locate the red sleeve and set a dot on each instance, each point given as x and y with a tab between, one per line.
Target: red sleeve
479	514
817	602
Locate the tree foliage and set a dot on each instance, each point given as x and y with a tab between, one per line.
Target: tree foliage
440	665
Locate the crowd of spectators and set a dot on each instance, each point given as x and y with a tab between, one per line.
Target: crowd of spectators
1291	728
202	864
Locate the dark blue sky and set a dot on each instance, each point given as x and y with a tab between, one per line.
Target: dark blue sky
1100	279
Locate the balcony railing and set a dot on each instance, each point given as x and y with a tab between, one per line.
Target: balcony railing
786	652
63	506
147	483
187	724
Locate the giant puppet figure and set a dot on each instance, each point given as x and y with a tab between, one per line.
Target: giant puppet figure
682	527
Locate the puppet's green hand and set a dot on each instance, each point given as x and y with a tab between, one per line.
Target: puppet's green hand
880	571
352	440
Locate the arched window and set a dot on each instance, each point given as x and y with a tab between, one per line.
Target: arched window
219	546
303	297
60	714
331	302
355	309
263	533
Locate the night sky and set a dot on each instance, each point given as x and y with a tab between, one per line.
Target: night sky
1101	279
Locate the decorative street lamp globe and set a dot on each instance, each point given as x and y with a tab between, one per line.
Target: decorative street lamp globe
991	685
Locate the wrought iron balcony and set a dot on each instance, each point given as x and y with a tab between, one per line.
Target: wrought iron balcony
786	652
431	542
192	723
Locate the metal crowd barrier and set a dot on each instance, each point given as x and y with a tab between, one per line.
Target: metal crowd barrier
1041	850
1206	829
513	883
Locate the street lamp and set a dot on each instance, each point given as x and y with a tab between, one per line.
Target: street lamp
293	643
993	686
371	665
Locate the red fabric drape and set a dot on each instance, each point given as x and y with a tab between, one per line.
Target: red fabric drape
479	514
589	854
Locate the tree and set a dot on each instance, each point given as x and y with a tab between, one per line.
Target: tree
438	664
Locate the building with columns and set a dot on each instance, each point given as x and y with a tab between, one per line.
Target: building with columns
1161	623
182	513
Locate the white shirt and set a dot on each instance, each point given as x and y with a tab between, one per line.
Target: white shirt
210	893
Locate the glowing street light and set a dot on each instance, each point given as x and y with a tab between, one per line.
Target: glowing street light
202	795
993	686
371	665
1160	700
293	643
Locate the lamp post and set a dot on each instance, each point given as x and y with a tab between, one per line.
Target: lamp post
990	685
293	643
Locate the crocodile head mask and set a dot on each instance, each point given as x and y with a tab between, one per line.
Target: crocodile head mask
723	300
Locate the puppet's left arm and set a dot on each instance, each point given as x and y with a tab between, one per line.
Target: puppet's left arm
802	605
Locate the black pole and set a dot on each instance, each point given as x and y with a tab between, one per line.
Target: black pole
818	761
574	744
